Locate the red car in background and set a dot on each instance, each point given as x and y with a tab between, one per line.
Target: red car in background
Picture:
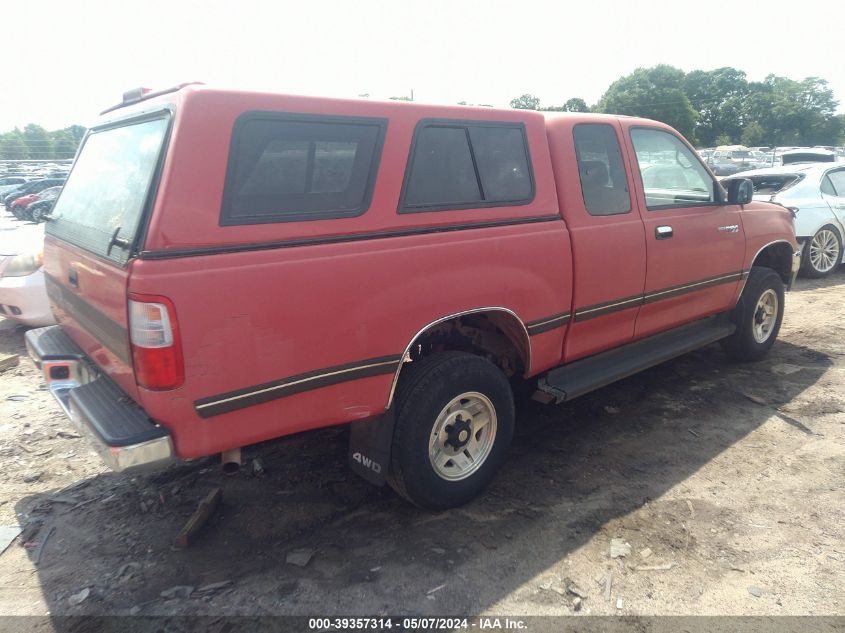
21	206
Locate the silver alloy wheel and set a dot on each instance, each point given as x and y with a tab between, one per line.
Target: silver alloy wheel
765	315
462	436
824	251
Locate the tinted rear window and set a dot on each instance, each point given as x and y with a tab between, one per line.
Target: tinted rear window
289	167
105	195
456	165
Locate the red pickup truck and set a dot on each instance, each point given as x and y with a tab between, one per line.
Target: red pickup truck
228	267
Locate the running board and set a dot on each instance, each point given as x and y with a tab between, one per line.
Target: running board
582	376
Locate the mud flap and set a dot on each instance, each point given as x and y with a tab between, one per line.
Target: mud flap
370	442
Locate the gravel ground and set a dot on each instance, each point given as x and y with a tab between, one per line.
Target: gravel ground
723	484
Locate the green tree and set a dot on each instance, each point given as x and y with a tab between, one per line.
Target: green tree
526	102
753	134
38	142
718	97
77	132
576	104
12	147
794	112
64	145
723	139
655	93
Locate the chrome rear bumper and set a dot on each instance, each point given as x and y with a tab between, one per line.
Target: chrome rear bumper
120	431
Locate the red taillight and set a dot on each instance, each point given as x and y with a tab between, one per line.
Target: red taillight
156	346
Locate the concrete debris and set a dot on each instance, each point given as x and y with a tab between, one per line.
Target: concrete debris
300	557
213	587
608	586
32	477
79	598
755	591
755	399
127	570
575	590
619	603
179	591
257	467
18	397
576	604
67	435
691	509
664	567
645	552
9	361
619	548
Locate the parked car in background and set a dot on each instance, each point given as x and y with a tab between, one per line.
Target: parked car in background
9	183
36	186
19	204
24	208
722	167
737	154
23	294
38	210
807	155
816	194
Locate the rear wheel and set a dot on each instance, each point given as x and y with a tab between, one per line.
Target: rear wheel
454	423
822	253
757	316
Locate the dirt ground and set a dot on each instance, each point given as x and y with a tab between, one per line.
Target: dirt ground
725	480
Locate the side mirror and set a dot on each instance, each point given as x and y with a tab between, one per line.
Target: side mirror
740	190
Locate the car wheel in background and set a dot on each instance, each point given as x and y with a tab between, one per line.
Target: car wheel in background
822	253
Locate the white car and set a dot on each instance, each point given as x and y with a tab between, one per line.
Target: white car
23	295
816	194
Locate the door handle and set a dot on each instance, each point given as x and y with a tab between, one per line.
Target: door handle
663	232
73	277
732	228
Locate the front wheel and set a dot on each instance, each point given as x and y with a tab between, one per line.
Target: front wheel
757	316
454	423
822	253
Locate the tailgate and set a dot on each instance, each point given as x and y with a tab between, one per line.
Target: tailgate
89	302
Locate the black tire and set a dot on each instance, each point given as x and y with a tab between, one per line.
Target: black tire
426	387
743	345
807	267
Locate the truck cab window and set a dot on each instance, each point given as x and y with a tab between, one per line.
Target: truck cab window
672	175
604	184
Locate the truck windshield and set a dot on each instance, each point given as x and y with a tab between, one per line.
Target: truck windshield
101	204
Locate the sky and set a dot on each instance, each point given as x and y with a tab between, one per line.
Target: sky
70	59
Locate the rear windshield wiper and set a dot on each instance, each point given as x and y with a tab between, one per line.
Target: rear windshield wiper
117	241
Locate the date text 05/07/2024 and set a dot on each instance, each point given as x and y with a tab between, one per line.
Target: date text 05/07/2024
416	624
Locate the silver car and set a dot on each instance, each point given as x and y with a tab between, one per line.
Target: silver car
816	193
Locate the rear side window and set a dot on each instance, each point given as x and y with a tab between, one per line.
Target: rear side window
292	167
604	184
467	164
837	178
